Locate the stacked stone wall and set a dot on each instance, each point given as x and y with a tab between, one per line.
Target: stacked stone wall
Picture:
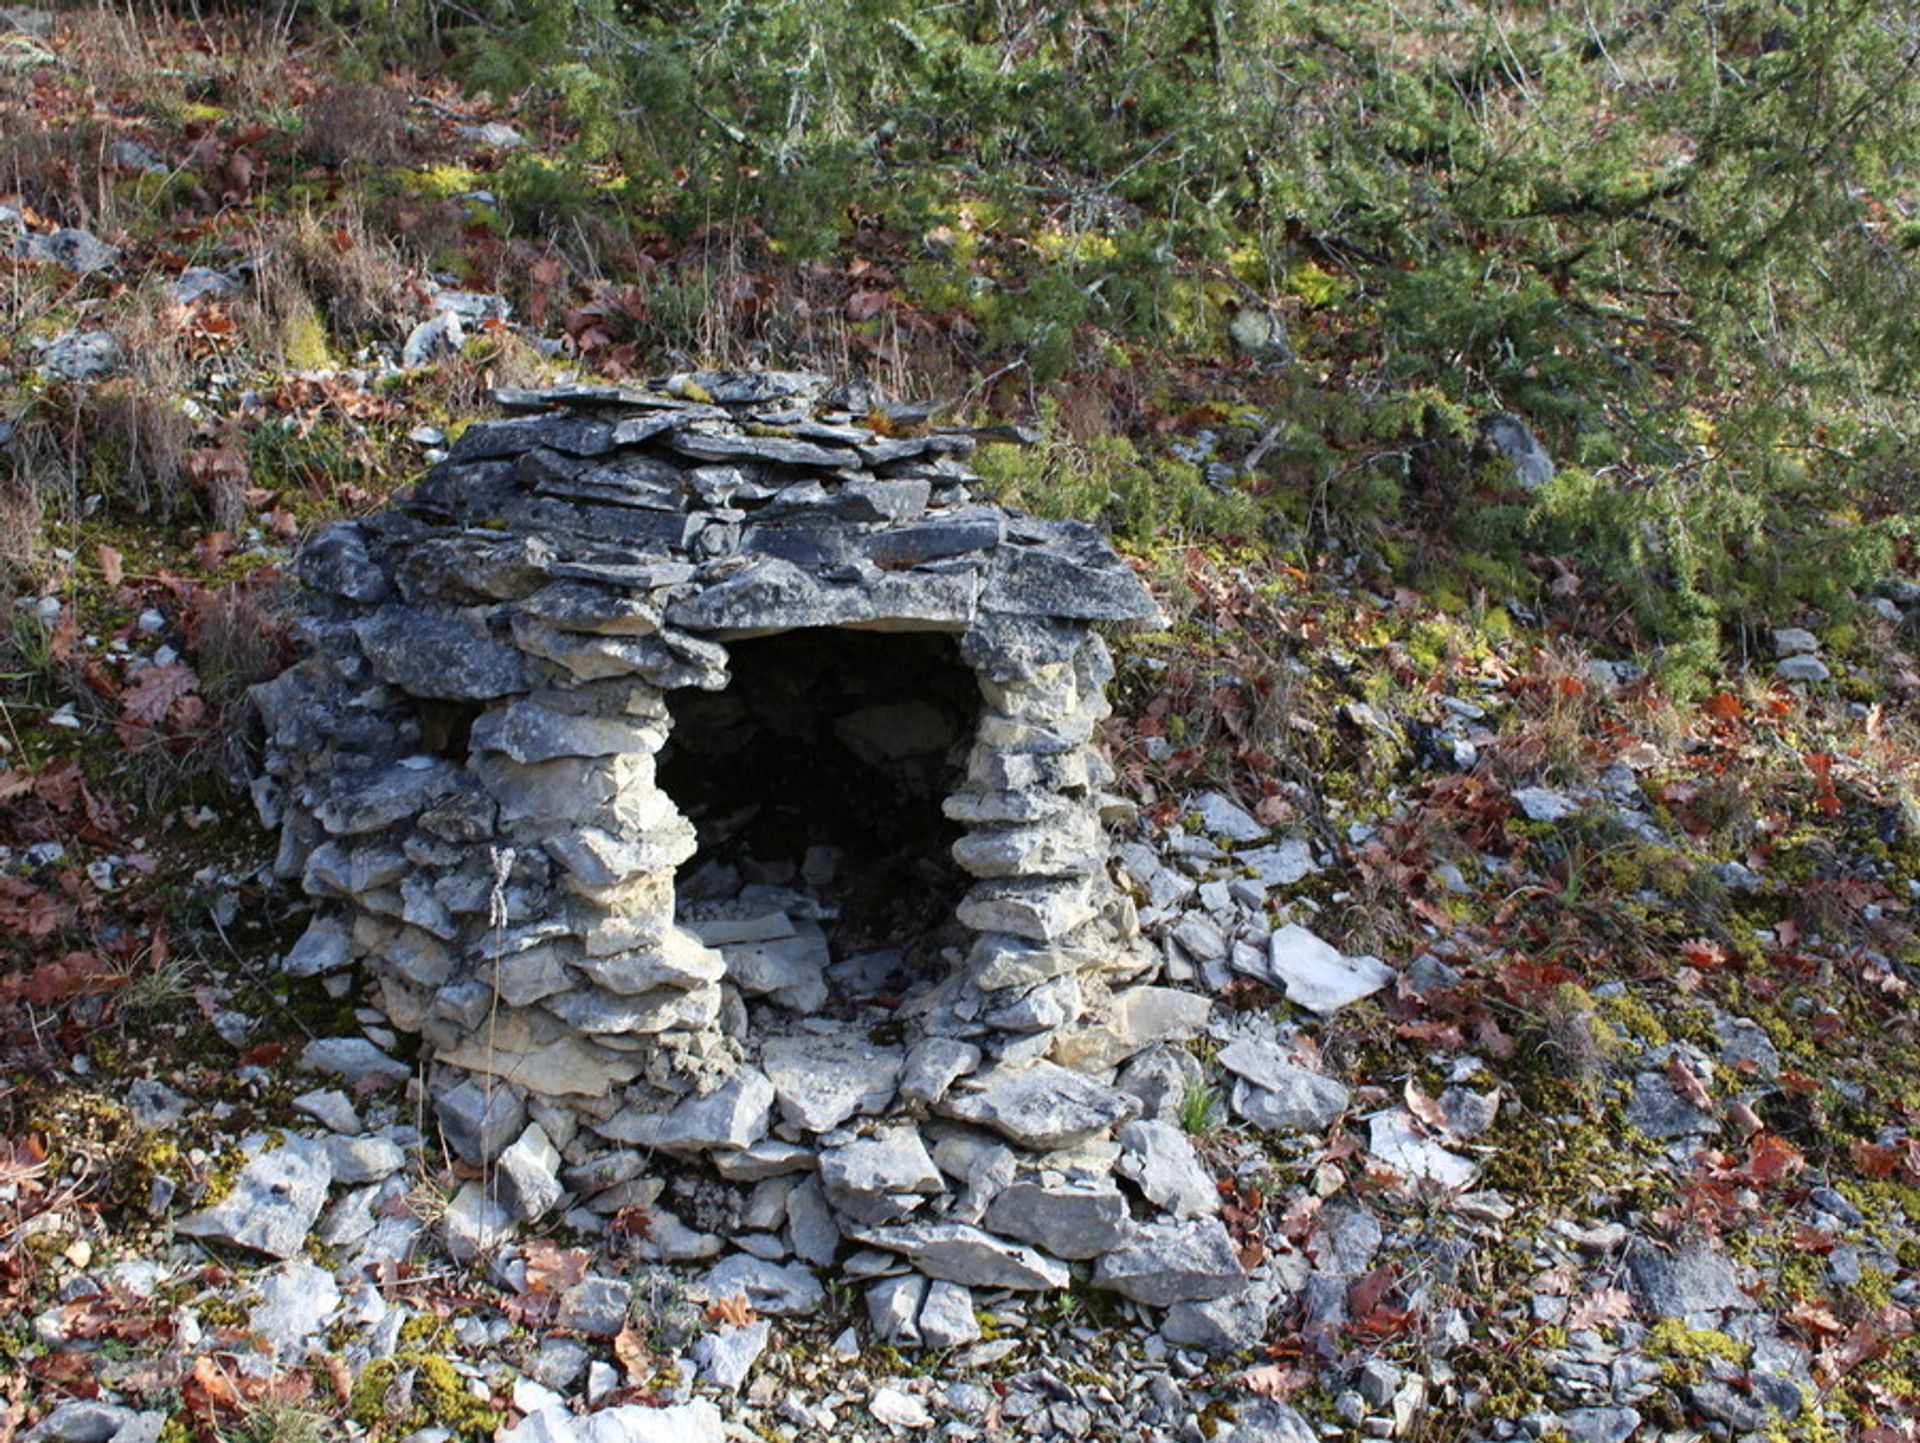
464	768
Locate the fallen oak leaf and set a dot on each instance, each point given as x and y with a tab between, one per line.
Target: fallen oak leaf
1600	1307
732	1311
153	693
631	1353
1870	1338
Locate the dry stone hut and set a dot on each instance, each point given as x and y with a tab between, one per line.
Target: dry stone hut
699	772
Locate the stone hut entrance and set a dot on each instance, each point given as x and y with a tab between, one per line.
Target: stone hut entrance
820	772
700	771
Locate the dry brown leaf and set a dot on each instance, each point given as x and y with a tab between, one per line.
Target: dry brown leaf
153	693
1687	1085
631	1353
1557	1281
1424	1107
112	567
339	1375
733	1311
1602	1306
1270	1380
552	1268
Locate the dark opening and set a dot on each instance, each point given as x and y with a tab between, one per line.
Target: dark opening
821	769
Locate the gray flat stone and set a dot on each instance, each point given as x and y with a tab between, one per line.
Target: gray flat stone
1316	976
734	1115
1513	439
1802	668
354	1058
1280	865
1040	1106
727	1355
934	1065
1541	804
79	1420
527	1175
964	1254
479	1120
1695	1279
822	1079
1277	1093
595	1306
274	1203
1069	1217
1658	1109
365	1159
435	655
790	970
893	1308
84	356
880	1178
78	251
947	1318
1173	1262
1159	1159
1600	1425
774	1289
1397	1142
1222	817
295	1300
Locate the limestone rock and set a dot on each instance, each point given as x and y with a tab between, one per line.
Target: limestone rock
1260	335
84	357
1695	1279
960	1253
770	1288
823	1079
1136	1019
879	1178
1398	1143
78	251
727	1355
1041	1105
734	1115
1276	1092
1543	804
1173	1262
1316	976
431	654
479	1121
595	1306
933	1066
527	1174
947	1318
1159	1159
893	1308
474	1224
274	1202
79	1420
294	1301
1512	439
1222	817
791	970
1068	1216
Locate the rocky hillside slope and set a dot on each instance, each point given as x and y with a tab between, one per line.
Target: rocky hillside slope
1560	1077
